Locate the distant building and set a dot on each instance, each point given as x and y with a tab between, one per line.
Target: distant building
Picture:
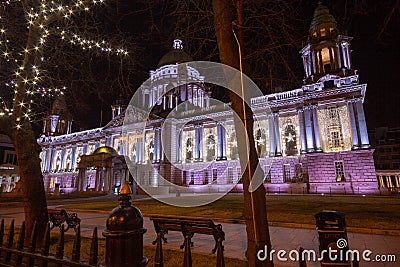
386	142
316	134
9	171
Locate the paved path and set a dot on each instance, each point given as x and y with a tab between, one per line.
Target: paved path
235	244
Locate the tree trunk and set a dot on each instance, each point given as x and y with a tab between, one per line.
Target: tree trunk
255	202
33	194
26	146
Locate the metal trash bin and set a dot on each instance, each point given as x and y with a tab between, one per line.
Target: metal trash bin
333	242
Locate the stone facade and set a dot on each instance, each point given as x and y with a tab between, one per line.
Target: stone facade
314	140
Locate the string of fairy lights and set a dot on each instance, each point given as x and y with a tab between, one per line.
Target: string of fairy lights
28	76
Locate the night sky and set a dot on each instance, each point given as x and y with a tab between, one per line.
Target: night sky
375	54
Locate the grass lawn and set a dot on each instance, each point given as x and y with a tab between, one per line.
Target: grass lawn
363	212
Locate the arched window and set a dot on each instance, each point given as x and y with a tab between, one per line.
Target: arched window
290	140
133	153
189	149
233	146
150	151
260	142
210	148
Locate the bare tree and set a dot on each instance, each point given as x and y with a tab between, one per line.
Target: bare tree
45	47
256	225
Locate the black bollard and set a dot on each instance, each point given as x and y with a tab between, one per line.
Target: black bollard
124	234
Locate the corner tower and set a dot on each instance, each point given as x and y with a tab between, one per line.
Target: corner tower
59	121
327	51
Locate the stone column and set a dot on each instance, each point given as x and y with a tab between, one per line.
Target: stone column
78	181
314	62
277	135
309	129
338	57
381	184
271	130
108	140
62	159
97	180
221	136
320	63
362	126
73	156
305	65
317	137
344	53
388	181
51	159
348	55
157	145
198	143
46	160
354	132
179	150
138	152
106	179
331	59
303	141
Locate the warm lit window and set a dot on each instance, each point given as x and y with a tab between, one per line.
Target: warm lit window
267	174
335	138
214	175
286	173
230	175
333	113
239	175
339	170
325	56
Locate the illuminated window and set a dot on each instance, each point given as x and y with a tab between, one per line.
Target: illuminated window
230	175
267	174
286	173
239	175
339	170
214	175
191	177
325	56
333	113
335	139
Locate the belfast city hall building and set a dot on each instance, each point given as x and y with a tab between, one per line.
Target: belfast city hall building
313	140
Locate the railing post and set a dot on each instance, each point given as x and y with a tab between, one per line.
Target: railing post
10	241
220	253
46	244
20	244
159	259
187	260
124	234
60	245
94	248
1	232
32	247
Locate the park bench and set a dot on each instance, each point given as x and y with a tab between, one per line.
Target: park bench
57	218
188	226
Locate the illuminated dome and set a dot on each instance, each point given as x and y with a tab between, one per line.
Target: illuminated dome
323	22
106	150
176	55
